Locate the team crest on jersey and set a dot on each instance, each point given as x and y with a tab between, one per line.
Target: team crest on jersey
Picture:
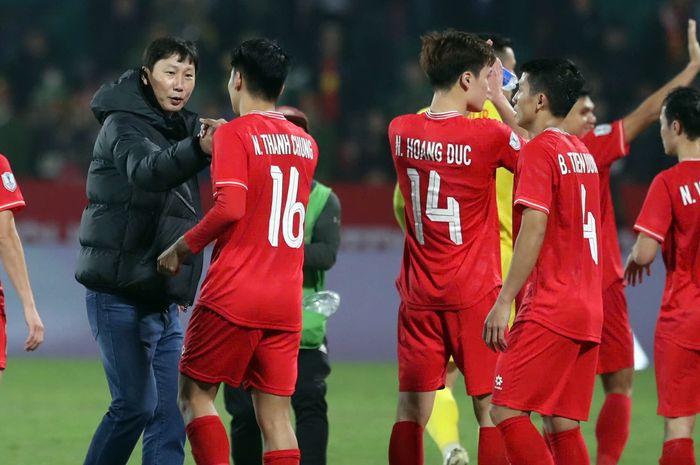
8	180
514	141
602	130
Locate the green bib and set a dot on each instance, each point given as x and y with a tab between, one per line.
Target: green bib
313	330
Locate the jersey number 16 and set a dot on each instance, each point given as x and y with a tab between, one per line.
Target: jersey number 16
292	208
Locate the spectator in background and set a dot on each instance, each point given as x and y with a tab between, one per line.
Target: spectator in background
321	243
142	194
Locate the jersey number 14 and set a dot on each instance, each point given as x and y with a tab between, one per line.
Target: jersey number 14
292	208
449	214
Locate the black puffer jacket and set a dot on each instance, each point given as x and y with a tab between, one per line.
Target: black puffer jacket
142	195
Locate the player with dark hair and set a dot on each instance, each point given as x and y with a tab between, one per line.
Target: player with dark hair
558	324
608	143
670	216
445	165
245	328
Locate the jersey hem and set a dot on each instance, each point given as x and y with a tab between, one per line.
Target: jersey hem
561	331
248	323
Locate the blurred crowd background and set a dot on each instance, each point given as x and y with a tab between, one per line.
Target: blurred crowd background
355	66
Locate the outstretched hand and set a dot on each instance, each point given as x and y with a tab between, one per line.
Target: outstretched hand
634	272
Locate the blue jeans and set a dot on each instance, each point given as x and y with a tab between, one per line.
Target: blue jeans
140	351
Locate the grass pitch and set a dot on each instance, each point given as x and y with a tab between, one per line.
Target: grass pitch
50	408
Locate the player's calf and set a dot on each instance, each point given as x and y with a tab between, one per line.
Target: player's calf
415	407
195	398
272	413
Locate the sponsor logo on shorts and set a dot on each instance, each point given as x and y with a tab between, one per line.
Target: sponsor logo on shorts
498	382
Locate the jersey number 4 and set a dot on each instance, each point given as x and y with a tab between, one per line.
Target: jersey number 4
449	214
292	208
589	231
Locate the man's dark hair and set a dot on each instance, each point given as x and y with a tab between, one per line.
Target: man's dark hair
165	47
682	104
447	54
499	41
558	79
264	66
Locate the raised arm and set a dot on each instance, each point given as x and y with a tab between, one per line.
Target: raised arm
12	255
648	111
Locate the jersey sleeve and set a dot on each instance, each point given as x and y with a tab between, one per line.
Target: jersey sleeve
10	194
509	147
229	159
536	179
606	142
656	215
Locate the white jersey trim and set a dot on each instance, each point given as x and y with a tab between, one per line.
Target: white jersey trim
12	204
231	183
442	115
531	204
269	114
649	232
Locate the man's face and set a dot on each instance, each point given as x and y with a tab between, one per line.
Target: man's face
668	137
525	105
581	119
172	82
478	89
234	90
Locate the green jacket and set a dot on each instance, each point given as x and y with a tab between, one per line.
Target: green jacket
322	201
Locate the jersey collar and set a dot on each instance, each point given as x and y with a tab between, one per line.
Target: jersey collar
442	115
268	114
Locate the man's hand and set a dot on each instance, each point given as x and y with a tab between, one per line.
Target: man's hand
169	261
206	132
634	272
693	46
495	80
495	326
36	329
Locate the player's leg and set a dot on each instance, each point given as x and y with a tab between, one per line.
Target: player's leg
271	377
677	386
3	340
565	441
246	441
422	358
478	364
678	441
126	352
443	426
310	407
164	435
215	351
205	430
616	368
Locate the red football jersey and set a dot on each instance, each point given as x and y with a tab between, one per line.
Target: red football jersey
445	165
671	215
558	176
255	276
10	199
607	144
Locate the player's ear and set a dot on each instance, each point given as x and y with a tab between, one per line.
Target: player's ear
465	80
677	127
541	101
144	75
237	81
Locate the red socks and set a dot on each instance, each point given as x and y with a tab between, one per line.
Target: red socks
569	448
524	444
492	451
208	440
613	428
678	452
406	444
282	457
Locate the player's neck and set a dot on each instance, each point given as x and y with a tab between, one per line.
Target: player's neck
546	121
250	103
689	150
444	101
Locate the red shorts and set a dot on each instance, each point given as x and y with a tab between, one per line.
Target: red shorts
545	372
616	343
677	378
427	339
3	338
217	350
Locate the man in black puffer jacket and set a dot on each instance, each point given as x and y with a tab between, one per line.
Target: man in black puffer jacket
142	195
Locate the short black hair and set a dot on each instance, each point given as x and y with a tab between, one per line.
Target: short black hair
447	54
682	104
559	79
165	47
264	66
500	42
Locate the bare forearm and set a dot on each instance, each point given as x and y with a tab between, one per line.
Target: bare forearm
12	255
644	250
